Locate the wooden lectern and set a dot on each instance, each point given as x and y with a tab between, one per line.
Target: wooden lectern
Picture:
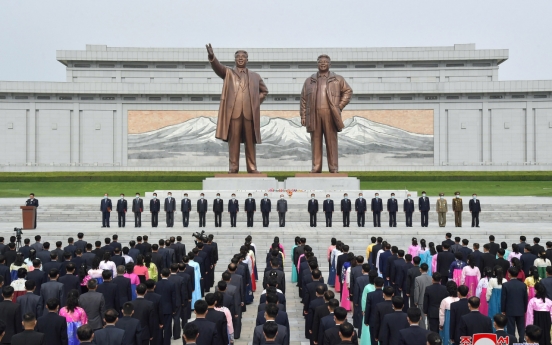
28	213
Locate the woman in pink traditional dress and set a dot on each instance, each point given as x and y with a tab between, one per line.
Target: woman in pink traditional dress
414	249
481	290
134	280
539	312
345	276
140	269
471	276
434	258
335	253
281	246
456	267
515	253
74	315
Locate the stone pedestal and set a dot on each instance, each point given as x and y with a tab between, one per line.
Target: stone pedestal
326	182
242	182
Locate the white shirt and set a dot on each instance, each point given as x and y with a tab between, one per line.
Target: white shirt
109	265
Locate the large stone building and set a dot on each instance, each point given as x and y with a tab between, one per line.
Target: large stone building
155	108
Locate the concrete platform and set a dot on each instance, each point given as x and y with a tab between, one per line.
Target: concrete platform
240	183
323	183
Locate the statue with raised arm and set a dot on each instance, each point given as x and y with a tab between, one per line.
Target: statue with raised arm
323	97
239	113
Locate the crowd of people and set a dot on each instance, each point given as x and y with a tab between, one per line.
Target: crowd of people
145	293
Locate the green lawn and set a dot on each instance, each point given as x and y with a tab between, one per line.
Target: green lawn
94	188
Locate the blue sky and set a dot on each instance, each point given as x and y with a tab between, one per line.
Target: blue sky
32	30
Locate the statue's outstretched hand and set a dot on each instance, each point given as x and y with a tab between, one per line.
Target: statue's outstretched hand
210	53
303	122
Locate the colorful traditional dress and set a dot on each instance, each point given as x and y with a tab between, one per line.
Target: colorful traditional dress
109	266
18	286
293	266
74	320
335	254
142	273
494	294
530	282
14	268
153	273
414	250
365	333
541	265
95	274
346	272
481	292
134	282
470	278
196	295
444	318
426	258
455	271
331	277
513	255
539	313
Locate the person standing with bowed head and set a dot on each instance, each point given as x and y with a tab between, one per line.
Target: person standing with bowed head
105	207
155	207
424	207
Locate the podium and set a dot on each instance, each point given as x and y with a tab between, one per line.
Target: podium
29	214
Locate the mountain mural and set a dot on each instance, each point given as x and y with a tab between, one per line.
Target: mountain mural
282	139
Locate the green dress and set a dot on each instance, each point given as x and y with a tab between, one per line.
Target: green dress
365	333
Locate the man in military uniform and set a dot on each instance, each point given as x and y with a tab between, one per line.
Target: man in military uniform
442	209
457	207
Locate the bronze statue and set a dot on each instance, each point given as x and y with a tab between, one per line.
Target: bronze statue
323	97
239	113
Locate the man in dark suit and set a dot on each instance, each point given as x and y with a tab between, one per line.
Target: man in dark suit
282	337
170	208
32	202
182	294
10	313
488	259
457	310
408	209
85	334
218	318
53	326
53	288
360	208
376	208
155	207
155	298
493	247
145	313
346	210
131	326
110	291
266	207
202	209
412	271
70	281
328	208
433	296
137	208
208	334
382	309
514	302
475	209
536	248
393	323
392	208
270	331
360	283
527	259
281	208
121	210
424	207
233	209
320	312
444	259
36	275
474	322
167	304
309	292
218	208
346	333
414	334
250	209
316	302
93	304
312	208
331	334
29	336
123	286
186	208
275	273
29	302
105	208
80	244
500	321
110	334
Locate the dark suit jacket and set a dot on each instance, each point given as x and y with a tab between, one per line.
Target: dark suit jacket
360	205
250	205
312	206
391	326
376	205
123	284
155	205
392	205
326	323
110	292
382	309
202	205
137	205
167	291
54	328
38	277
423	204
475	322
465	253
132	328
315	303
266	206
143	311
10	313
180	288
408	205
259	338
28	338
494	247
457	310
52	289
512	338
218	206
280	278
110	335
70	282
93	304
488	260
505	264
411	274
170	205
30	302
433	296
310	292
328	206
219	319
383	261
444	259
121	205
514	298
208	334
475	206
413	335
345	205
186	205
319	313
527	260
233	206
106	205
155	299
536	249
331	336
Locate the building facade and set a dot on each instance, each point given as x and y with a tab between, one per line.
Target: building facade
425	108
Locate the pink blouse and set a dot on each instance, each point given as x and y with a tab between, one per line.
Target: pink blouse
414	250
445	305
434	264
330	248
141	271
536	304
472	272
282	248
134	280
78	315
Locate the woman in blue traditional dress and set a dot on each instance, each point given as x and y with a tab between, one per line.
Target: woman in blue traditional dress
427	257
365	330
494	291
293	266
331	277
74	315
